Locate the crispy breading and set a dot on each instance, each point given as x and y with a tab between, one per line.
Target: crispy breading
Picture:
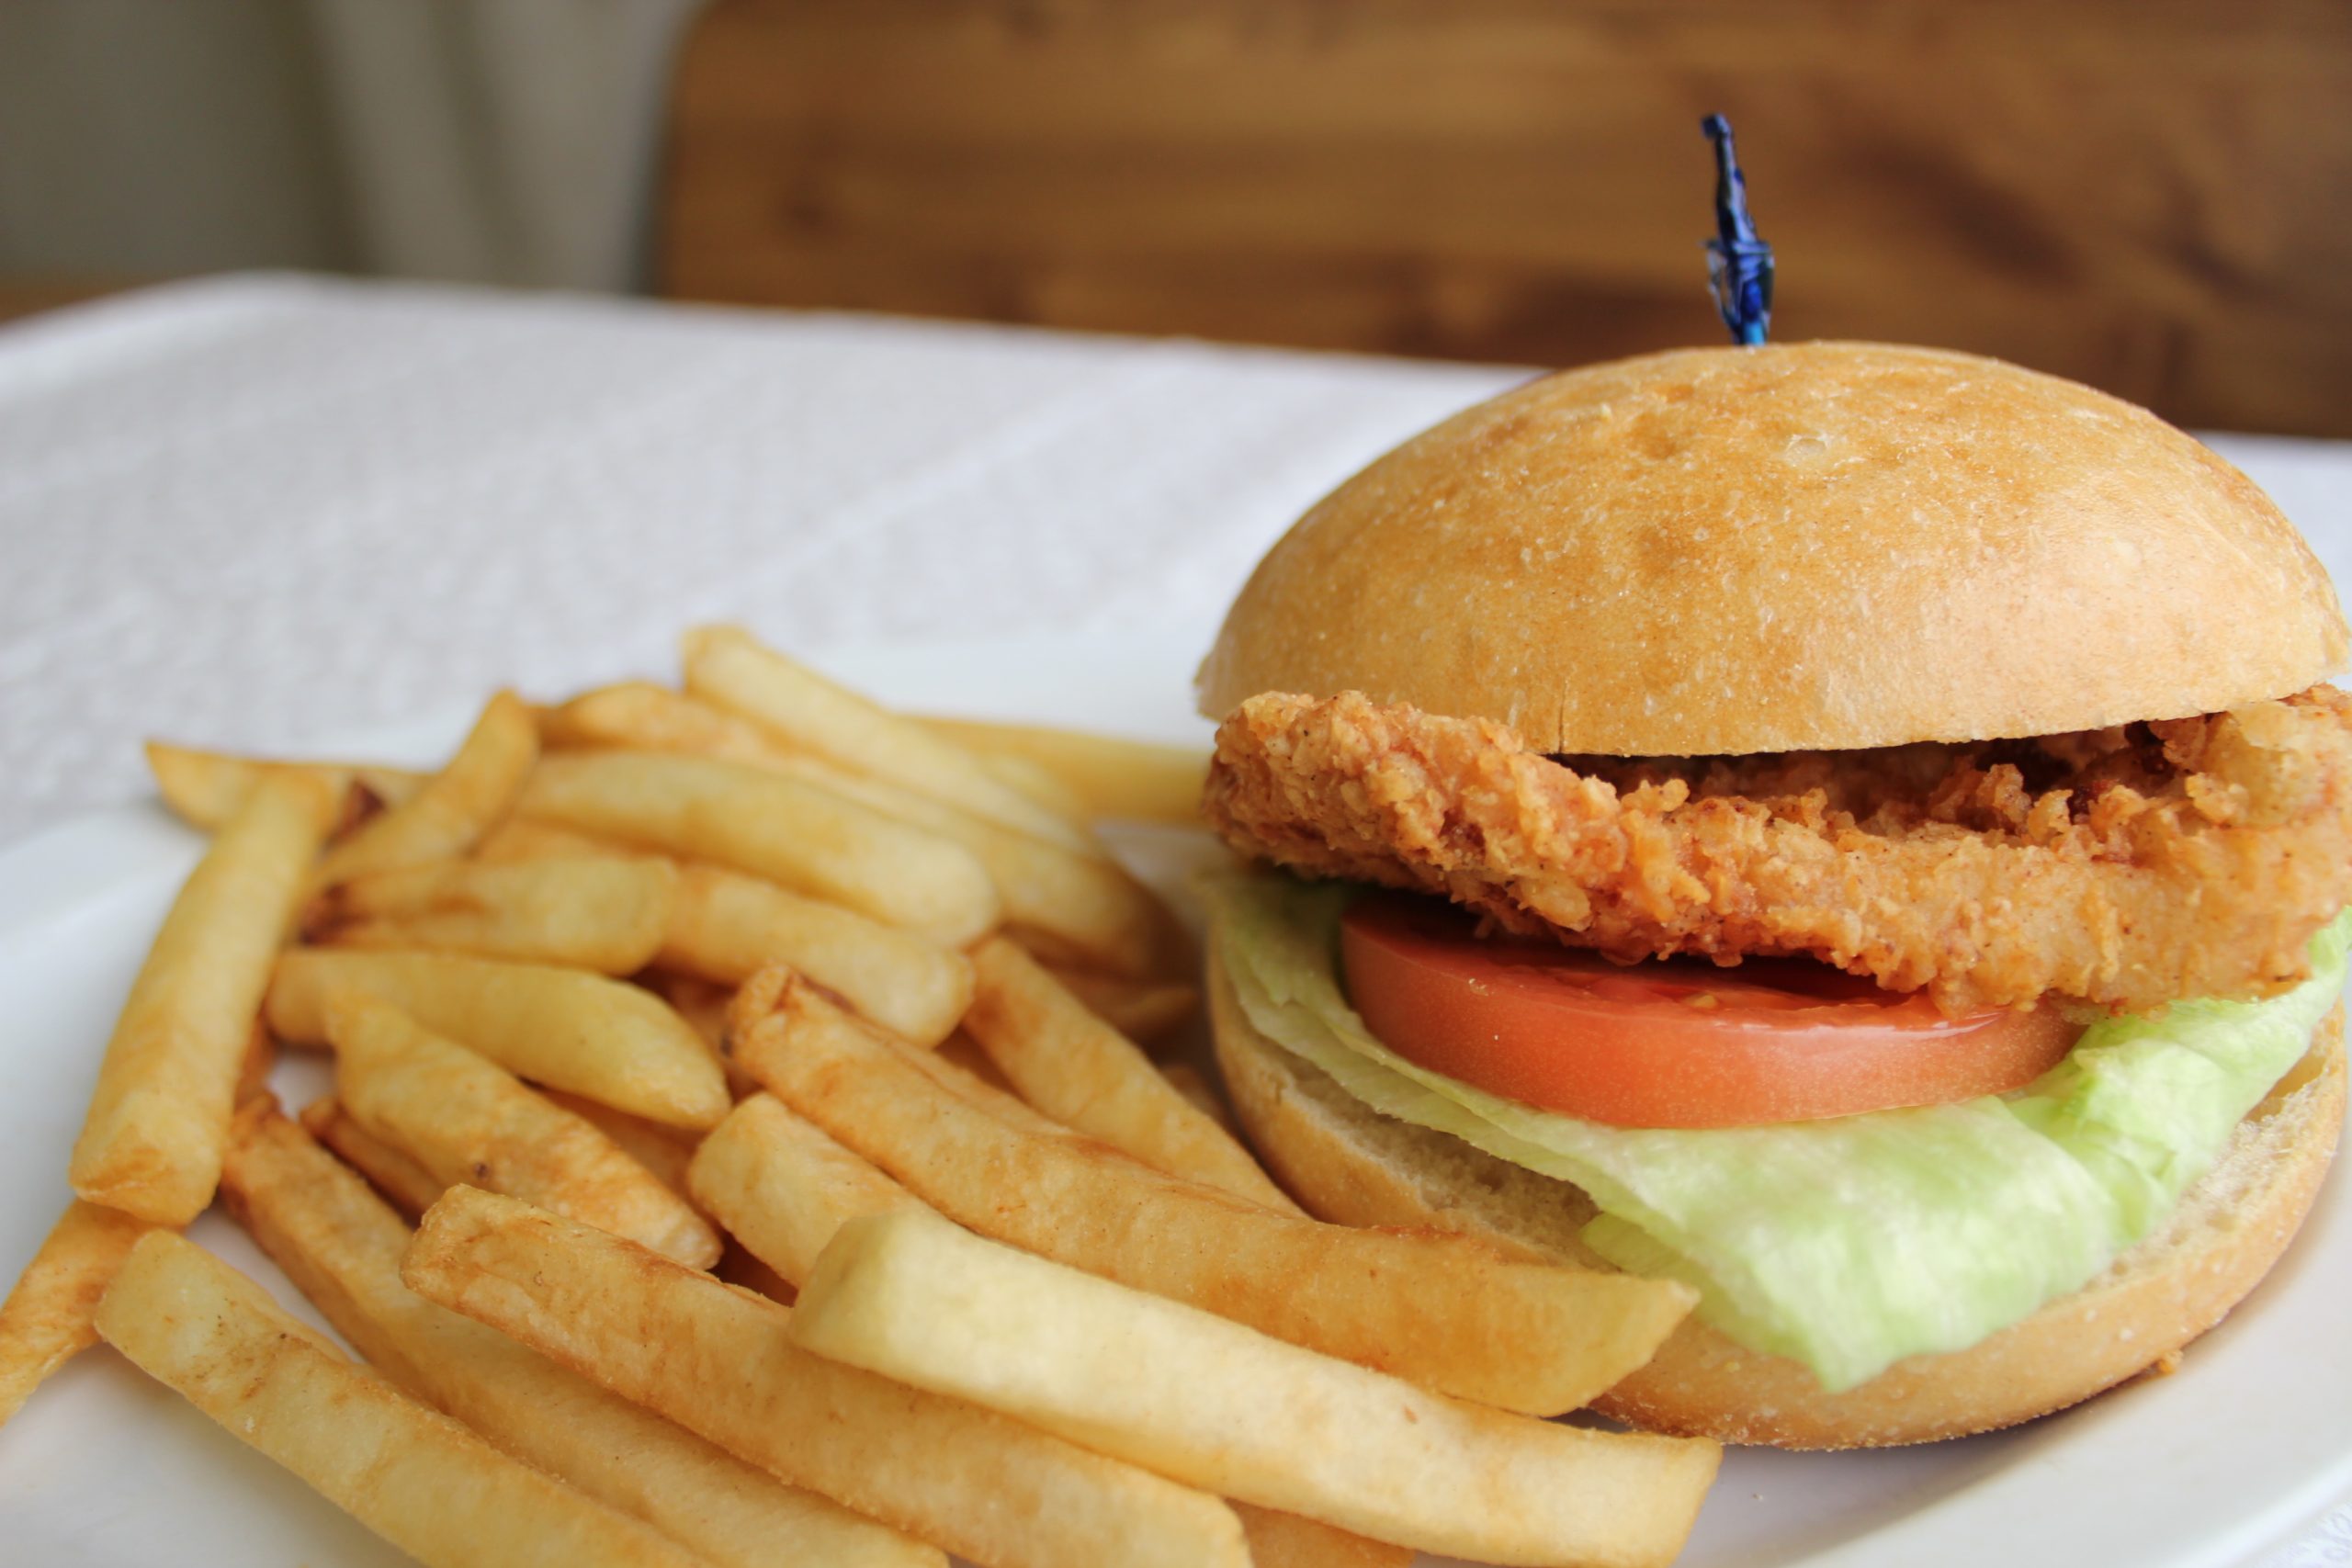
2127	868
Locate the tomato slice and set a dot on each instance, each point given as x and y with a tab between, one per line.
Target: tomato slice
1675	1043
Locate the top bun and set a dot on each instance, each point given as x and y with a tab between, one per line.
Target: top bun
1795	548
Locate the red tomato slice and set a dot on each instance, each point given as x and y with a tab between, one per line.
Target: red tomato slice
1674	1042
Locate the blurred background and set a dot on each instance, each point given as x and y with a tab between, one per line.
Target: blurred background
2147	194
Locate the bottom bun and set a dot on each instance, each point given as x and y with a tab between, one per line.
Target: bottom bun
1347	1162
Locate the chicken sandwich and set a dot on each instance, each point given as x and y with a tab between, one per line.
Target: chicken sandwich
1859	830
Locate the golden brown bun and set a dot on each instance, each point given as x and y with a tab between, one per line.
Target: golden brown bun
1347	1163
1809	547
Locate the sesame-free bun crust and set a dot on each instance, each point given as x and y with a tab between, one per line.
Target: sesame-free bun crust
1345	1162
1808	546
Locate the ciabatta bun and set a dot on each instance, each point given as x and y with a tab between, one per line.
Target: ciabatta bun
1345	1162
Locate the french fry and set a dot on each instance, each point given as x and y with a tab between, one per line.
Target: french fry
408	1186
961	1051
807	839
597	1037
644	717
45	1322
721	1362
465	1119
1289	1540
1085	904
260	1061
962	1069
1139	780
159	1117
204	789
609	913
341	1248
519	838
1081	899
661	1150
454	807
782	1188
958	1067
1031	779
726	666
648	717
1086	1075
1143	1010
1221	1407
726	926
1189	1081
410	1475
1444	1311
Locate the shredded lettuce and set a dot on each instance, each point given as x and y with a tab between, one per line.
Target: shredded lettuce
1843	1244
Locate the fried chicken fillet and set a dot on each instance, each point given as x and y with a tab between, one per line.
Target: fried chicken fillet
2126	868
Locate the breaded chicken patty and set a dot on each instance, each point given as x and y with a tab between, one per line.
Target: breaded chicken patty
2126	868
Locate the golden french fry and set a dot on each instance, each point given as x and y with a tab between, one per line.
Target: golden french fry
782	1188
410	1475
1079	899
720	1361
958	1066
518	839
665	1151
1194	1084
204	789
793	833
609	912
341	1248
391	1171
159	1117
1083	902
962	1051
726	666
1141	1010
1167	951
1081	1072
1139	780
612	1042
45	1322
1191	1395
1289	1540
1026	777
260	1061
467	1120
455	807
1445	1311
650	718
643	716
726	926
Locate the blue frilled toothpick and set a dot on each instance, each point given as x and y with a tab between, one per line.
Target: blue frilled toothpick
1739	264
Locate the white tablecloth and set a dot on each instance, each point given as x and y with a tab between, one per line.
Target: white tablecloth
252	512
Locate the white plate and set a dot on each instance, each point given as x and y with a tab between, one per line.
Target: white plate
2250	1440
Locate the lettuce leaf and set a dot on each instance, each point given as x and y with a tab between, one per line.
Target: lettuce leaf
1843	1244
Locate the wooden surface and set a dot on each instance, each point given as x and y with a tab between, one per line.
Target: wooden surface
2147	196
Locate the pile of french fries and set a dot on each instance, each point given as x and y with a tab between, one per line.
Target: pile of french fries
759	1071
